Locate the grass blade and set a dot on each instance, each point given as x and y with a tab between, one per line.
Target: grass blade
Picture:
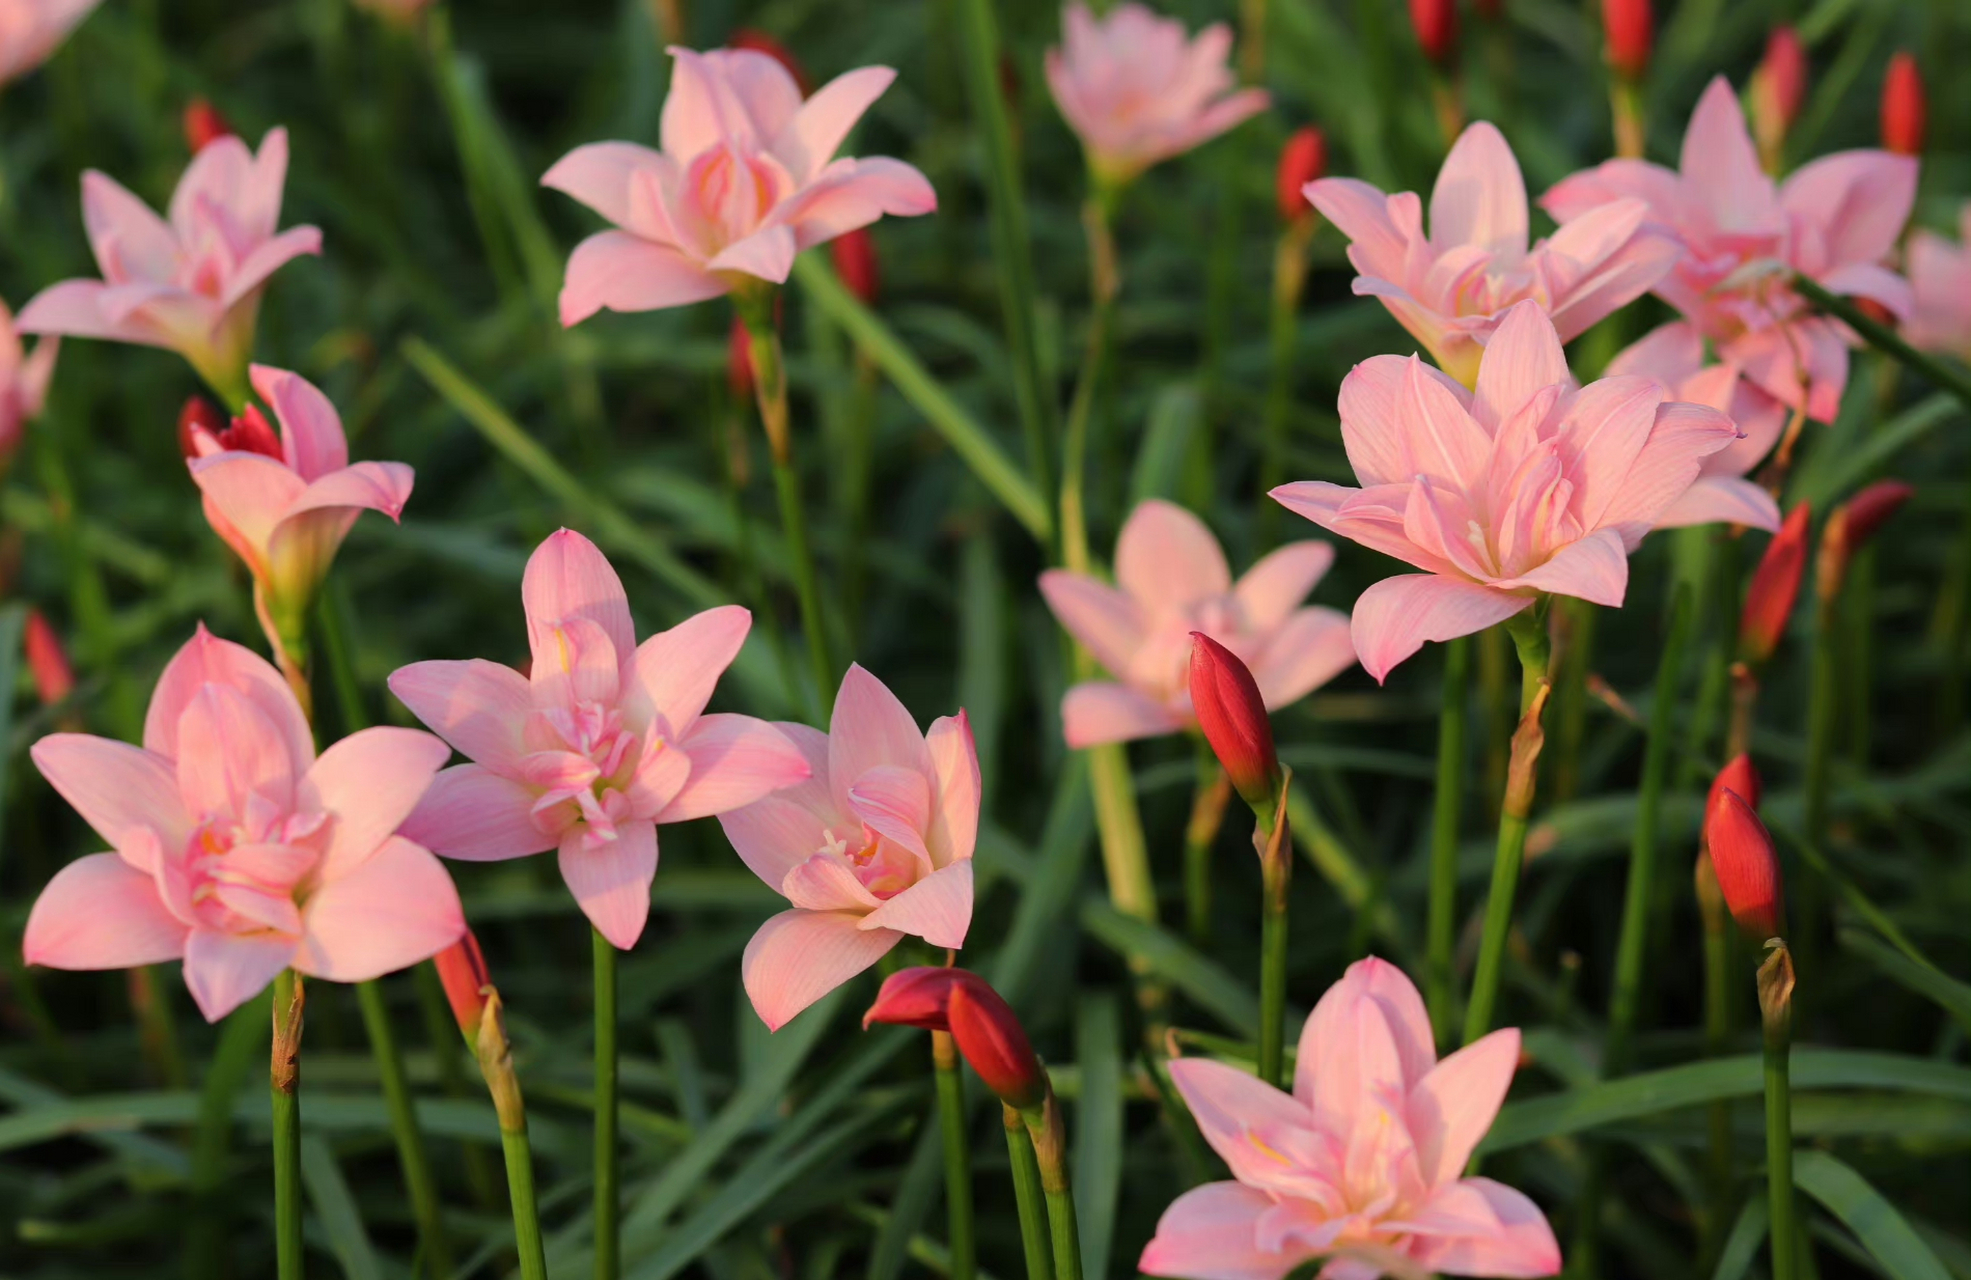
1885	1233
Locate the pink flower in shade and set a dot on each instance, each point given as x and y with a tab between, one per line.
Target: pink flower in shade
747	179
603	741
1940	274
24	381
285	503
874	846
31	31
1451	288
1138	90
191	284
1172	579
1834	220
237	847
1674	356
1362	1163
1518	488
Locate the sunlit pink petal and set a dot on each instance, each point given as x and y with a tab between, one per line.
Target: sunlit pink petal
797	957
1393	618
392	910
371	780
937	908
1098	711
476	815
611	879
735	760
225	970
99	912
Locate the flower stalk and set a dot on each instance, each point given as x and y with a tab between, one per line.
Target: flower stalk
1028	1196
1446	803
433	1244
1776	1016
1050	1148
1276	875
284	1087
608	1197
1211	793
957	1157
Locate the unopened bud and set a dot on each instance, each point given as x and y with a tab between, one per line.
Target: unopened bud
201	433
1779	85
1436	23
204	125
1746	864
1904	113
1776	990
760	42
914	997
199	425
982	1026
1628	27
1303	160
739	361
1232	715
1851	526
1775	586
462	971
1738	776
855	261
54	679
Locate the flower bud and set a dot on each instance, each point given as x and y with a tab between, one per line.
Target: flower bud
1850	526
1903	110
855	261
1627	25
914	997
760	42
1436	22
202	432
982	1026
462	970
1775	586
1739	777
203	125
1302	160
739	361
54	679
1746	864
1233	718
1779	85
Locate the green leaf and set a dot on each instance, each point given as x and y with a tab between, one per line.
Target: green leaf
336	1210
1885	1233
1742	1245
917	1191
1098	1128
1049	882
1917	973
1822	482
1175	413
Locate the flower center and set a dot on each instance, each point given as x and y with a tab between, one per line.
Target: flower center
879	864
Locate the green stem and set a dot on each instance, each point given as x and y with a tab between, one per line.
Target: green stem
332	618
1126	859
1289	278
411	1155
1050	1154
284	1089
1779	1141
1209	796
608	1199
1449	799
441	1031
225	1076
1886	340
1027	1194
1571	691
1096	216
1823	716
526	1212
957	1156
1276	874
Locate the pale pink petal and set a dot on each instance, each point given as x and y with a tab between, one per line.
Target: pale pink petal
617	271
701	110
1876	283
1604	429
1227	113
1681	437
1211	1233
1525	1247
599	176
253	493
479	707
611	880
75	307
855	193
1360	212
937	908
1370	396
676	670
1311	648
1270	591
1480	196
268	257
230	752
1166	559
114	786
1349	1068
1859	200
580	665
870	727
1388	988
392	910
797	957
735	760
954	829
99	912
816	132
774	835
311	430
1659	188
1453	1105
766	90
1721	166
1668	353
1438	434
370	781
1523	357
206	659
475	815
895	802
1242	1118
1096	712
1107	622
216	177
224	970
1590	296
768	254
825	883
1393	618
366	486
568	577
1722	500
1595	569
126	235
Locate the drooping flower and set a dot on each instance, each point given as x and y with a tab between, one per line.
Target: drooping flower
192	284
31	30
1834	220
285	502
1940	275
1451	287
747	178
603	740
1521	487
24	381
237	848
1138	90
874	846
1362	1163
1172	579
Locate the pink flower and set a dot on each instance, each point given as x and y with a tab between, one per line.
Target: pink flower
1138	91
24	381
1940	275
31	30
1834	220
237	847
746	180
1172	580
602	742
1521	487
1452	287
286	504
874	846
1674	355
191	284
1362	1162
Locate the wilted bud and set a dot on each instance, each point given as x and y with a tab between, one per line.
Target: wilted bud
1302	160
760	42
462	970
204	124
1738	776
54	679
739	361
1775	586
1851	526
1779	85
1904	114
1436	22
1232	716
981	1024
1628	27
855	261
1746	864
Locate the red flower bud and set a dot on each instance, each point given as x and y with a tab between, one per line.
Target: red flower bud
202	432
1850	526
760	42
1737	776
1903	110
1775	586
203	125
855	261
54	679
739	361
1302	160
1628	26
1746	864
1779	85
1436	22
914	997
462	970
1233	717
982	1026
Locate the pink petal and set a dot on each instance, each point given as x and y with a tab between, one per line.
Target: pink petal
774	835
1391	991
1270	591
599	176
1722	500
676	670
1525	1247
1210	1233
1859	200
370	781
1523	357
1454	1105
1655	186
1603	431
216	176
206	659
475	815
1876	283
797	957
954	829
144	244
937	908
266	258
1680	438
1096	712
1438	435
1393	618
387	913
1363	1045
366	486
1241	1116
230	753
768	254
568	577
1107	622
895	802
611	881
1370	394
1590	291
114	786
225	970
579	665
311	430
1668	353
1311	648
1595	569
253	493
1480	197
1721	166
701	109
617	271
765	89
816	132
869	727
75	307
479	707
99	912
1227	113
1167	560
735	760
1360	212
855	193
825	883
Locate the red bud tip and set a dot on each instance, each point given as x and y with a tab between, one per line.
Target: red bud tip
199	425
1903	111
1746	863
204	125
855	261
1302	160
760	42
1436	22
1779	85
1864	513
739	361
982	1026
1628	27
1232	716
54	679
913	997
462	970
1738	776
1775	586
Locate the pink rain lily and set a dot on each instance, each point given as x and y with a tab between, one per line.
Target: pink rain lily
604	740
1940	275
1520	487
1172	579
286	503
1834	220
1138	90
748	178
1361	1164
24	381
1451	287
192	284
31	31
238	849
874	846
